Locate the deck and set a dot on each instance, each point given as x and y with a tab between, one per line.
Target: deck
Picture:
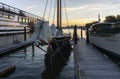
93	64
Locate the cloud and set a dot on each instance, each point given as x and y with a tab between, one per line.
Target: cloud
93	7
31	7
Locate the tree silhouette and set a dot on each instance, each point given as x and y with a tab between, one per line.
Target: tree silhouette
118	18
110	18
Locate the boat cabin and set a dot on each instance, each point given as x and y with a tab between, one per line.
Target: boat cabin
104	29
116	25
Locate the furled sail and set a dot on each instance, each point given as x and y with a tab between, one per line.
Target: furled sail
42	32
53	30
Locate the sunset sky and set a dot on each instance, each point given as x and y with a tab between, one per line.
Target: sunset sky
79	11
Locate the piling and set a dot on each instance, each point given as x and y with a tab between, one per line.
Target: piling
87	36
81	32
24	33
75	34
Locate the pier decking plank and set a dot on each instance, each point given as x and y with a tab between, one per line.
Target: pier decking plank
93	64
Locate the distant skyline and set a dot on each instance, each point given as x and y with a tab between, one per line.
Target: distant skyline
79	11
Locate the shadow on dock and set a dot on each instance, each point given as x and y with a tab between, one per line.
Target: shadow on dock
56	59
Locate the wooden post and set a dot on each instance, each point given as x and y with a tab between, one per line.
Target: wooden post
87	36
81	33
75	34
25	40
24	33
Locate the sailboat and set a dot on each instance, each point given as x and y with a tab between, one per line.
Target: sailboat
60	35
47	34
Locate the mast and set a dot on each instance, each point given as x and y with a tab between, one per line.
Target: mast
59	15
58	10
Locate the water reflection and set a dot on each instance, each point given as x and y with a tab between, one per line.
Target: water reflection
56	59
78	32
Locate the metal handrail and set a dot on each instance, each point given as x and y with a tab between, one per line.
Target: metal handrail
18	11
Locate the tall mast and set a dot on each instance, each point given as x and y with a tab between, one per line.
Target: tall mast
59	16
58	11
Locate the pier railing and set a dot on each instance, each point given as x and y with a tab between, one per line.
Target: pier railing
10	11
13	31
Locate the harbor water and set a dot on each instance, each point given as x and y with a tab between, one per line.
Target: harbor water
70	31
31	64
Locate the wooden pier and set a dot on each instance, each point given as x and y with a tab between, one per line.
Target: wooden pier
92	64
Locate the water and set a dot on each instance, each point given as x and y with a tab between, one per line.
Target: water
7	39
31	64
78	32
28	66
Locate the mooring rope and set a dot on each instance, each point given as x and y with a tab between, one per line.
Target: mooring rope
54	11
66	13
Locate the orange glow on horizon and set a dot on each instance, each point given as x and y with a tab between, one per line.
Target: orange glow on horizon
80	22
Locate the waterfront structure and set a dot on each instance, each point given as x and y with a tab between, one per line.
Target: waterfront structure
12	18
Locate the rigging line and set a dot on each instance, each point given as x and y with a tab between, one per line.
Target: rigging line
54	11
66	13
45	9
66	16
50	10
